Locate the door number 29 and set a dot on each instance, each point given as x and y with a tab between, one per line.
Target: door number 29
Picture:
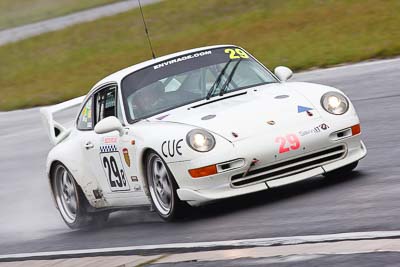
287	143
116	175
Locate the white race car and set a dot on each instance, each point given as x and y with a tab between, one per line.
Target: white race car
194	127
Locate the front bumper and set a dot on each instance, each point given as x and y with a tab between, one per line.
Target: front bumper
221	185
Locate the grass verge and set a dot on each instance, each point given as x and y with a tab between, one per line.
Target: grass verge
298	33
16	13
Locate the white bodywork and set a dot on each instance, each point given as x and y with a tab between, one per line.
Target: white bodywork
245	127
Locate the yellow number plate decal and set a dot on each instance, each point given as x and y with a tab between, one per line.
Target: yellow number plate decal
236	53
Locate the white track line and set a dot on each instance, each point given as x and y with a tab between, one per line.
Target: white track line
258	242
58	23
360	64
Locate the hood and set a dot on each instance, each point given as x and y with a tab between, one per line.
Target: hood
249	112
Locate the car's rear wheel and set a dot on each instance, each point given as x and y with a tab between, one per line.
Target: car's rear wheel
343	171
162	187
72	203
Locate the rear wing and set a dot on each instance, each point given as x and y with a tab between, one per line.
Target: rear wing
55	130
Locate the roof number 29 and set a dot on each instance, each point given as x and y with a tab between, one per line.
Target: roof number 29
236	53
292	139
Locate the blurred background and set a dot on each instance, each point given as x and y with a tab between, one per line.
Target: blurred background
301	34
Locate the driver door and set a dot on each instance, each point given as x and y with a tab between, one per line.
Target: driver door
111	156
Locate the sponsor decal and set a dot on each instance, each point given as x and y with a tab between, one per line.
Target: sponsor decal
87	114
110	140
320	128
126	157
183	58
288	143
108	149
134	179
113	168
324	126
171	148
301	109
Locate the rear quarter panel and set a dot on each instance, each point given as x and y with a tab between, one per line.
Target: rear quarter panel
68	152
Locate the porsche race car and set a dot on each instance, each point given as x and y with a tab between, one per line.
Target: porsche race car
193	127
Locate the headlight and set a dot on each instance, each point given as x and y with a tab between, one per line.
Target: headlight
200	140
335	103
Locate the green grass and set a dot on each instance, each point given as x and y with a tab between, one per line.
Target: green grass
298	33
19	12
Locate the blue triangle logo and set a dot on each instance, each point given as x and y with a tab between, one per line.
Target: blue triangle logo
302	109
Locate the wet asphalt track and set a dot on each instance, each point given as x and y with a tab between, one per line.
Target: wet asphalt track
366	201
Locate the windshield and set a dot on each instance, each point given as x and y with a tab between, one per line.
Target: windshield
190	78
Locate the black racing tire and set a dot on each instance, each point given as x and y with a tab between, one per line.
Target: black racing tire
162	188
72	203
343	171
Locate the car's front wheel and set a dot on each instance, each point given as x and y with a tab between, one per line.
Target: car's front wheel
72	203
162	187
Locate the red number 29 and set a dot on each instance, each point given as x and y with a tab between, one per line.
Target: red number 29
292	139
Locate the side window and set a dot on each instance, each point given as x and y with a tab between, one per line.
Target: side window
105	103
85	120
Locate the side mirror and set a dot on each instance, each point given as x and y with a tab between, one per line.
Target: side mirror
109	124
283	73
